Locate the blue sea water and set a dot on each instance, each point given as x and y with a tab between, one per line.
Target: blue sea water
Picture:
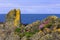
29	18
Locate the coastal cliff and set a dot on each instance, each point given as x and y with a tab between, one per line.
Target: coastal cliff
13	29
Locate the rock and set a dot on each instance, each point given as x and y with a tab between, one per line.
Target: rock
52	17
46	30
1	26
14	17
56	35
2	36
12	21
7	29
24	38
37	36
46	37
12	29
52	36
34	27
12	36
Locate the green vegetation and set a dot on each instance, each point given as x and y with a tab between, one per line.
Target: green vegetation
29	34
48	25
17	30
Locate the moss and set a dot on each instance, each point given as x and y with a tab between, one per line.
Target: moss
48	25
29	34
17	30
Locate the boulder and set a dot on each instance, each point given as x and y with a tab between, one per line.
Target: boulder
13	17
37	36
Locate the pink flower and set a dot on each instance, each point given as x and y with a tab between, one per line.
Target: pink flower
41	26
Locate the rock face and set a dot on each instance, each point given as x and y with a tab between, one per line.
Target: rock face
14	17
13	36
53	36
12	29
33	27
37	36
12	22
24	38
7	29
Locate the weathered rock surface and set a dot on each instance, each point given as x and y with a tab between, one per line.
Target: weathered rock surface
33	27
13	17
12	36
12	29
53	36
7	29
37	36
24	38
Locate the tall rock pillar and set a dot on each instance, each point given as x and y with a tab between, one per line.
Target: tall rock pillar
17	18
13	17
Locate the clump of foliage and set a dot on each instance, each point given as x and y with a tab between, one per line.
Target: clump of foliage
48	25
17	30
29	34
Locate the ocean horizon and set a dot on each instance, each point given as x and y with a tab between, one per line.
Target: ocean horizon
29	18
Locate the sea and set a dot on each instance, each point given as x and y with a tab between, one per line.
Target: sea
29	18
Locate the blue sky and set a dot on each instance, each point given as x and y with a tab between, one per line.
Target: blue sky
31	6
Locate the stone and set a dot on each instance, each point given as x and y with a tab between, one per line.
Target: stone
52	36
46	37
37	36
13	17
33	27
24	38
12	36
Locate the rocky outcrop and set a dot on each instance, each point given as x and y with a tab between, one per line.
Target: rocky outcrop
53	36
37	36
12	36
13	17
24	38
12	29
33	27
7	29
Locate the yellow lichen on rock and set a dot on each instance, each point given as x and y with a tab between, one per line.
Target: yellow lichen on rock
47	30
58	30
53	17
14	17
17	18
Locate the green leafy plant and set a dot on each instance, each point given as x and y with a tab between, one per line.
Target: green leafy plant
17	30
48	25
29	34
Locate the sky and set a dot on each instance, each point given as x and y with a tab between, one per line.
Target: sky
31	6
